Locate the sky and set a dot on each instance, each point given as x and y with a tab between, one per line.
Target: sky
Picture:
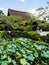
22	5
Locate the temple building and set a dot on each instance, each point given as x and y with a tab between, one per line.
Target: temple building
19	13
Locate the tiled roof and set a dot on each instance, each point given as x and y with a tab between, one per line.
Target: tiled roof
18	13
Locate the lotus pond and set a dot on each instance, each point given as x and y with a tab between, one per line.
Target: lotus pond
23	51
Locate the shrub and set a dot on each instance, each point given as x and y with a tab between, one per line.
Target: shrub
43	38
19	34
44	27
34	35
4	34
47	38
26	34
47	27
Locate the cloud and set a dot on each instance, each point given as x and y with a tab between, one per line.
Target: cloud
33	11
22	0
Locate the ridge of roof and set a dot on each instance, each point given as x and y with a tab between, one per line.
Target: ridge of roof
16	10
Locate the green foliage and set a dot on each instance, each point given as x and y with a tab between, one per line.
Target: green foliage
3	34
4	63
47	38
23	61
44	26
23	51
45	54
1	12
34	26
12	22
16	23
34	35
27	34
31	57
43	38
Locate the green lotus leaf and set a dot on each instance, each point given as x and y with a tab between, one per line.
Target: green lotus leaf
23	61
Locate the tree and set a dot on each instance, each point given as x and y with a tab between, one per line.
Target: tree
48	3
43	13
1	12
34	25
